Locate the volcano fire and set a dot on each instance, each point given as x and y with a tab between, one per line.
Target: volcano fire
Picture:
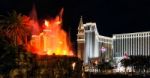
52	40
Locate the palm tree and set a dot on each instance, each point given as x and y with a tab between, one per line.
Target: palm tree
16	27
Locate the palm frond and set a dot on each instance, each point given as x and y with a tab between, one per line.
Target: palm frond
15	26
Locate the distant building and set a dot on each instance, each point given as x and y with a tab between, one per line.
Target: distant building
91	44
135	44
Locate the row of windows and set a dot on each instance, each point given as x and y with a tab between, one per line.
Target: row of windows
89	27
133	46
105	40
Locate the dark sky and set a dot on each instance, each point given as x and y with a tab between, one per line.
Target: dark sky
111	16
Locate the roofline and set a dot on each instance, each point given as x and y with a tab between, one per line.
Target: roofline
132	33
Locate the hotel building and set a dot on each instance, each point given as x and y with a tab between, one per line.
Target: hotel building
92	45
135	44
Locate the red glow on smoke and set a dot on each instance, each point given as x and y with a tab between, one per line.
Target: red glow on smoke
52	40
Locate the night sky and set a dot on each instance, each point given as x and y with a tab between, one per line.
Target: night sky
111	16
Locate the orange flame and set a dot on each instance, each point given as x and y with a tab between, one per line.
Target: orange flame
52	40
46	23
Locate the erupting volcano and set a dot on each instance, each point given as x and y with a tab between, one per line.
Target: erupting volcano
52	40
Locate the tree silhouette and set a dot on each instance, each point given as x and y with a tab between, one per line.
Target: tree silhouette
126	62
16	27
7	56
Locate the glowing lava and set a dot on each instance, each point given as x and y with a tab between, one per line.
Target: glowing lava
52	40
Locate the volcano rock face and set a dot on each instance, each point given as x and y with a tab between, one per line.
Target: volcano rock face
49	67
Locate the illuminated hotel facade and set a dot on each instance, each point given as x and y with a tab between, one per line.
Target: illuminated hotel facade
133	44
91	44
